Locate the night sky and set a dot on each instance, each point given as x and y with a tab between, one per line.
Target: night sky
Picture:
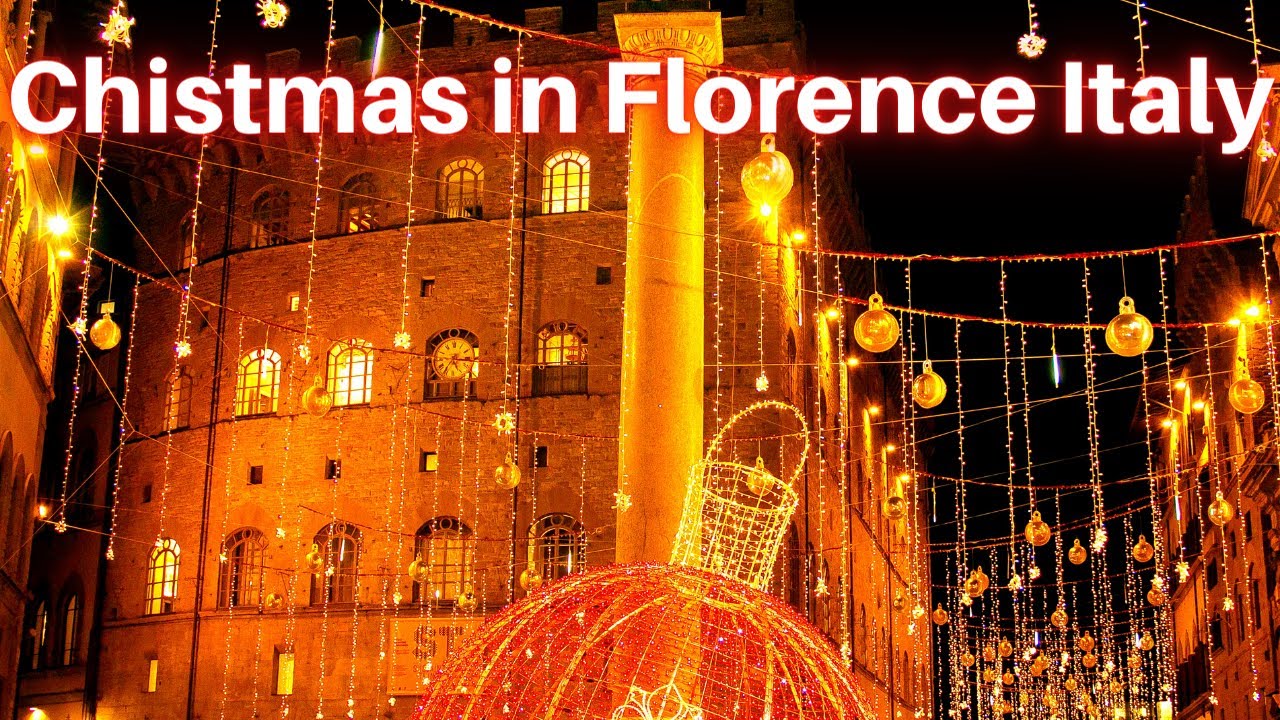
976	193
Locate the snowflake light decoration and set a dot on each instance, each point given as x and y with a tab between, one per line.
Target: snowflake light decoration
762	382
402	341
1228	604
1034	572
621	501
504	422
118	27
77	326
1265	150
1184	571
273	13
820	587
1099	539
1031	46
182	348
304	352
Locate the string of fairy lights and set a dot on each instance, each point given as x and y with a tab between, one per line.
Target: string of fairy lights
1013	664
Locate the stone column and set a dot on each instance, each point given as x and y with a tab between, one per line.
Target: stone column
660	428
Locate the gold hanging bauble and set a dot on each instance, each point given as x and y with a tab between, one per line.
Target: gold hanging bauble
1059	618
989	653
928	389
105	333
530	578
1130	333
976	584
876	329
895	506
1135	661
989	675
899	602
1116	686
1220	511
1006	648
1037	669
419	571
967	659
316	399
507	475
467	600
1089	660
1037	531
1143	551
315	559
761	479
1085	643
1247	396
767	177
1147	642
273	601
1006	708
1077	554
1155	595
1071	684
1007	679
940	616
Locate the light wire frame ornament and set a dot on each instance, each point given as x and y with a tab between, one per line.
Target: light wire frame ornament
736	516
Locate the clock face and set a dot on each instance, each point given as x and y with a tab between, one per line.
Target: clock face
454	359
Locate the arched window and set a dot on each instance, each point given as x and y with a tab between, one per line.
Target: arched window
452	364
178	414
350	372
162	577
461	189
562	360
69	641
240	568
557	545
258	383
339	543
11	259
38	636
448	547
356	207
566	182
270	218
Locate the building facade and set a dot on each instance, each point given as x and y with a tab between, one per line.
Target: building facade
34	189
1223	613
271	557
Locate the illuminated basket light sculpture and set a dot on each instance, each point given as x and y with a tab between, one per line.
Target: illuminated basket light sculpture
696	639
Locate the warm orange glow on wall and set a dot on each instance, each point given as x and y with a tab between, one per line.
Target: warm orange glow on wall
35	150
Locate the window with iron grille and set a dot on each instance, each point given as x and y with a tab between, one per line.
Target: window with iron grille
270	218
240	574
447	545
357	207
561	367
461	189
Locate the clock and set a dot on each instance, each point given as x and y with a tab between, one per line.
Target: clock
455	359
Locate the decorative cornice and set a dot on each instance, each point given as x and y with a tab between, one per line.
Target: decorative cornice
694	36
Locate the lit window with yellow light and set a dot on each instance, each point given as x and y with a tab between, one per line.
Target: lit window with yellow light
258	383
566	182
350	372
162	577
561	361
357	206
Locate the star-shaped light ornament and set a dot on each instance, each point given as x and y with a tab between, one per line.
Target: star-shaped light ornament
621	501
1228	604
111	553
78	326
1266	150
1099	539
402	341
762	382
504	422
1034	572
182	348
118	27
304	352
1015	583
1031	46
664	703
1184	571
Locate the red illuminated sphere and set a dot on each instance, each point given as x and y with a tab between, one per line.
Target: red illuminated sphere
645	641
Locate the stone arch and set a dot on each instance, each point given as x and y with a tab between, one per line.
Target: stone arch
15	536
7	491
